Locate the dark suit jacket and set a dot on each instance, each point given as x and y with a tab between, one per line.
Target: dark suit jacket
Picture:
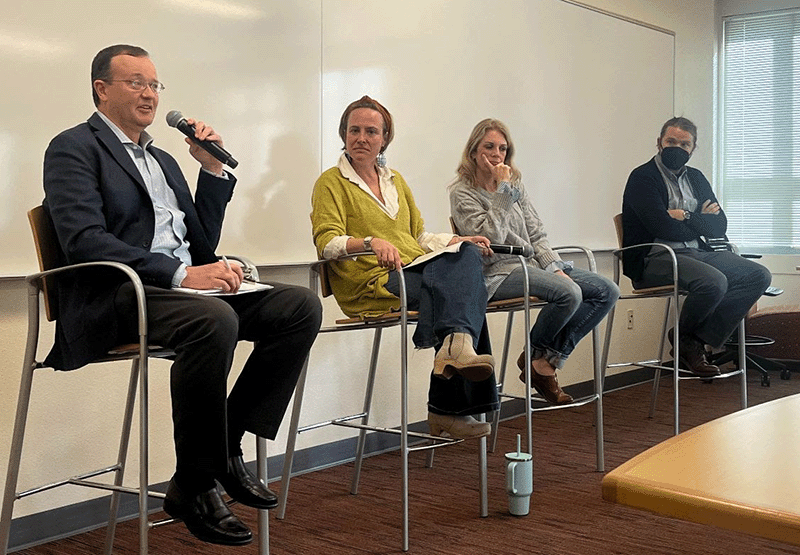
644	215
102	211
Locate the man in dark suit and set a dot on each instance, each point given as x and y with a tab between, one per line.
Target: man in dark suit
112	195
668	202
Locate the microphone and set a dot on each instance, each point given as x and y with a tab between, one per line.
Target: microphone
524	250
175	119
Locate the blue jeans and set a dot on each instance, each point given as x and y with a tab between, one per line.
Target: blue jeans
450	295
574	307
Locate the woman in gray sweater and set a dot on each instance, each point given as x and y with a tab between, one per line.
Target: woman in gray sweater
488	198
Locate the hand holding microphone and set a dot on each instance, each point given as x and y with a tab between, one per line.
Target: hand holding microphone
524	250
212	146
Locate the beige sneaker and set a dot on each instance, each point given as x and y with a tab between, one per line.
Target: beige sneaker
457	355
458	427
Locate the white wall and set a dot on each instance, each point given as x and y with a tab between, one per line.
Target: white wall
336	362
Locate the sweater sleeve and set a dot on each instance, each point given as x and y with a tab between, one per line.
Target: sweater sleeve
707	225
500	220
471	216
328	216
646	195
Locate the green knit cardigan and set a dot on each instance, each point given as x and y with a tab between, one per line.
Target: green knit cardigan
340	207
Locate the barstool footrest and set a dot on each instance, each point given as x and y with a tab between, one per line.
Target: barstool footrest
112	487
536	399
395	431
67	481
332	422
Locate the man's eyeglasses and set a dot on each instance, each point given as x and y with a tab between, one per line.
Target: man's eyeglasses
137	85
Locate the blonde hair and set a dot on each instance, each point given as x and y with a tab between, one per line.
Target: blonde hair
467	169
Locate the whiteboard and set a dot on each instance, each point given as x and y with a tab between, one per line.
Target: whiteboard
583	93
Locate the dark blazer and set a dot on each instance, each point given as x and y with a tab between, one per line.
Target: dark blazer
98	202
644	215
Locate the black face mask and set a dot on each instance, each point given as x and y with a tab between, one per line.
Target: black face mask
674	157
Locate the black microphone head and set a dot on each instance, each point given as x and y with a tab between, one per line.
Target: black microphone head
174	117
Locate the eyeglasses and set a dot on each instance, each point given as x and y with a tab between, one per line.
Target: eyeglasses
137	85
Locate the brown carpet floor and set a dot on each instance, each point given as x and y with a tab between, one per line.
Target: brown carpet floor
568	515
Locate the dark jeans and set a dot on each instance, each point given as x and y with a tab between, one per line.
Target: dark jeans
450	295
721	286
203	331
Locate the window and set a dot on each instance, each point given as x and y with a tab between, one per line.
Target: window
760	131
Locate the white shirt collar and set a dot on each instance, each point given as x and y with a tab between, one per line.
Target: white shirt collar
391	203
144	139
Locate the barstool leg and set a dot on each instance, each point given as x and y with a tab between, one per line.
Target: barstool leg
743	362
606	347
404	409
482	472
598	391
657	375
676	361
502	381
10	495
362	434
144	448
23	402
263	514
122	456
291	441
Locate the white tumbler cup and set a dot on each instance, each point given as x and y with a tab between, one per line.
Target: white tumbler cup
519	481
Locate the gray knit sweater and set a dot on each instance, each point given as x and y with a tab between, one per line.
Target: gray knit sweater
476	211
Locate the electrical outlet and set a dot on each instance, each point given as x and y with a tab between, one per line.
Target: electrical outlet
630	319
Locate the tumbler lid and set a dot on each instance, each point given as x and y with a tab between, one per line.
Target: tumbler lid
519	455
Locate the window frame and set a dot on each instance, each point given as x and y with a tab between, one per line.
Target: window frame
734	196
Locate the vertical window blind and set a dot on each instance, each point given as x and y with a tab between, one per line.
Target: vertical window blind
759	166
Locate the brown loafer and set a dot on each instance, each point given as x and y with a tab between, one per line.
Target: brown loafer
693	355
695	361
547	386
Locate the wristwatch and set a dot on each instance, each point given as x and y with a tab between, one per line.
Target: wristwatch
368	243
687	215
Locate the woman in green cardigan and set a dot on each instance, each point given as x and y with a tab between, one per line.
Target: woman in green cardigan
361	205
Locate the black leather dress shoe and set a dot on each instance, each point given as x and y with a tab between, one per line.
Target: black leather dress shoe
206	516
245	488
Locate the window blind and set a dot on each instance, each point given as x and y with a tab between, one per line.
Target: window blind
760	131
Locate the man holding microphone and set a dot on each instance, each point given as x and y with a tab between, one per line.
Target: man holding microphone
112	195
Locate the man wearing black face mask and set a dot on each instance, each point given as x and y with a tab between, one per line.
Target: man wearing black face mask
666	201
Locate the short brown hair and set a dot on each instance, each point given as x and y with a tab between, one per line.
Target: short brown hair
101	65
367	102
681	123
